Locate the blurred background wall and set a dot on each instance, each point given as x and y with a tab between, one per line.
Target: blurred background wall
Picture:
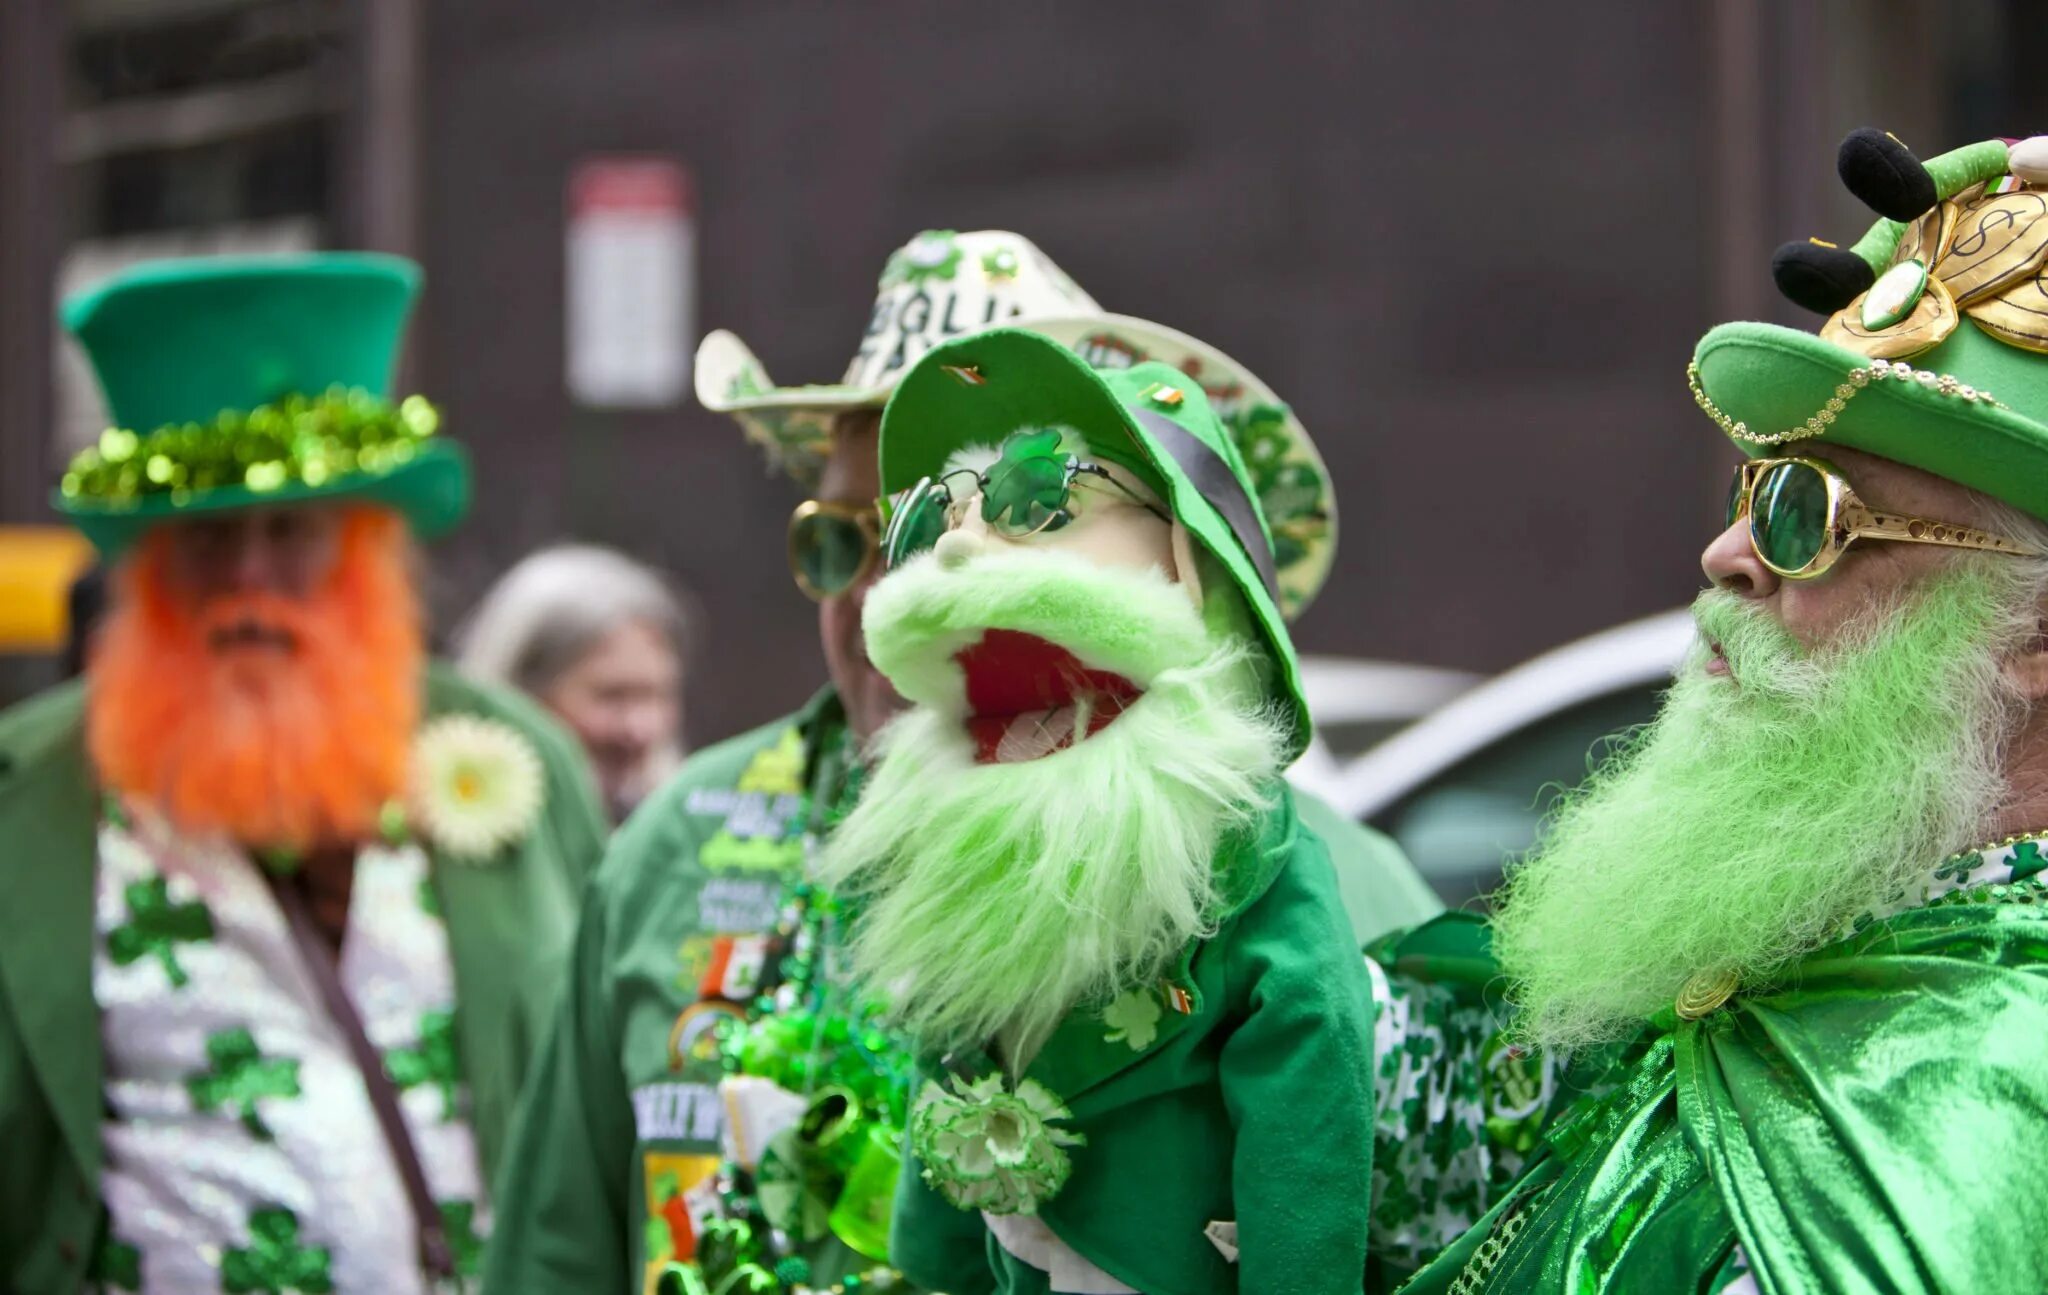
1472	243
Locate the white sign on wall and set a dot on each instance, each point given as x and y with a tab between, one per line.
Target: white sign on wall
632	282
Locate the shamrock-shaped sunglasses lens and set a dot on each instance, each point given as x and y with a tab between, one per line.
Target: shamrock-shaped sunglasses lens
917	523
1026	491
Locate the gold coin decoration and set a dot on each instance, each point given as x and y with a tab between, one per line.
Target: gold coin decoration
1930	322
2018	316
1927	239
1999	243
1704	992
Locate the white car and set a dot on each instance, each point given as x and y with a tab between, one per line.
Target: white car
1467	785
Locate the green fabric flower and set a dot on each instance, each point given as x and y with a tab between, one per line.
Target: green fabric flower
987	1149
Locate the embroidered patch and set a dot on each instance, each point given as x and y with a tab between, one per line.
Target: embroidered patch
692	1039
677	1112
738	905
737	965
669	1230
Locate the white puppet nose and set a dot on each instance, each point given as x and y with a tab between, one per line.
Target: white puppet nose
956	547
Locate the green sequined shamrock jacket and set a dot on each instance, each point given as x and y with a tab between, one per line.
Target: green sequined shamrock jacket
1215	1136
507	922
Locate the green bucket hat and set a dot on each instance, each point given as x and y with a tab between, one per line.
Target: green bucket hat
238	382
1932	353
1148	418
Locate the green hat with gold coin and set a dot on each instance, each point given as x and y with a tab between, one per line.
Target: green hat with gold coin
1934	352
235	382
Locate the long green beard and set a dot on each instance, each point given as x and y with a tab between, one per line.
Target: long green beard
1754	819
992	898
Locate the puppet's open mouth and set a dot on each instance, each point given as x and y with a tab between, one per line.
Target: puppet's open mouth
1025	696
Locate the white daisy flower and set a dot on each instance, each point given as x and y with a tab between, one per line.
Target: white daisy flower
477	786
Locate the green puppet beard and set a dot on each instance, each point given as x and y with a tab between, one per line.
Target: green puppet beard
992	898
1757	816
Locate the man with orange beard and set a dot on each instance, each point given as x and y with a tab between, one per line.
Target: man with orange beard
281	899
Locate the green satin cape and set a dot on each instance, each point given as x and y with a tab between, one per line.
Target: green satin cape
1877	1120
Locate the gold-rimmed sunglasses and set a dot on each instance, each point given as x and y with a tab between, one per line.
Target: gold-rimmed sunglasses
1803	515
833	546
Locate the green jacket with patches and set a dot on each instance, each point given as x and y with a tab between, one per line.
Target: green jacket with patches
622	1120
508	922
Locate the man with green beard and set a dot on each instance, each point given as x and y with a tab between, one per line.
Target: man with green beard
1789	948
1076	871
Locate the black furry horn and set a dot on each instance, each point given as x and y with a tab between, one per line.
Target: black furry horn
1885	175
1823	279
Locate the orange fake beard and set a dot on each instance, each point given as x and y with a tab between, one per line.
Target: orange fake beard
278	721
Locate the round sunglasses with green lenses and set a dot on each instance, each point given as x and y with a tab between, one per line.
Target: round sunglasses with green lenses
1027	491
832	546
1803	515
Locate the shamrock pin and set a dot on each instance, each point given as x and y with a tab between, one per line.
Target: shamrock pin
1000	264
1133	1018
156	926
274	1262
239	1074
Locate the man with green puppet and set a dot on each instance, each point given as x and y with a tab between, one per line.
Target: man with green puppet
719	1106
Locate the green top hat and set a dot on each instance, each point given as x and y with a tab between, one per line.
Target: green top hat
1149	418
236	382
1931	356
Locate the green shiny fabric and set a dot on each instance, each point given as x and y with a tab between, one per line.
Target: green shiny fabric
1875	1121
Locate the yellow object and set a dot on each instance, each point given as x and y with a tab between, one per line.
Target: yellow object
37	566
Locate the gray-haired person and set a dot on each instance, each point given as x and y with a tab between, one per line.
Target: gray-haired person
598	639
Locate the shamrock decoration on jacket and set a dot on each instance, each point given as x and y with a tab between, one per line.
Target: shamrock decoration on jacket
1133	1018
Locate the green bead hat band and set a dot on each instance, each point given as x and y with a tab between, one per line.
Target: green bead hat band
242	382
1950	307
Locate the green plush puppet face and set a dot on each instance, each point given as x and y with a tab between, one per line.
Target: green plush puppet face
1024	661
1085	731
